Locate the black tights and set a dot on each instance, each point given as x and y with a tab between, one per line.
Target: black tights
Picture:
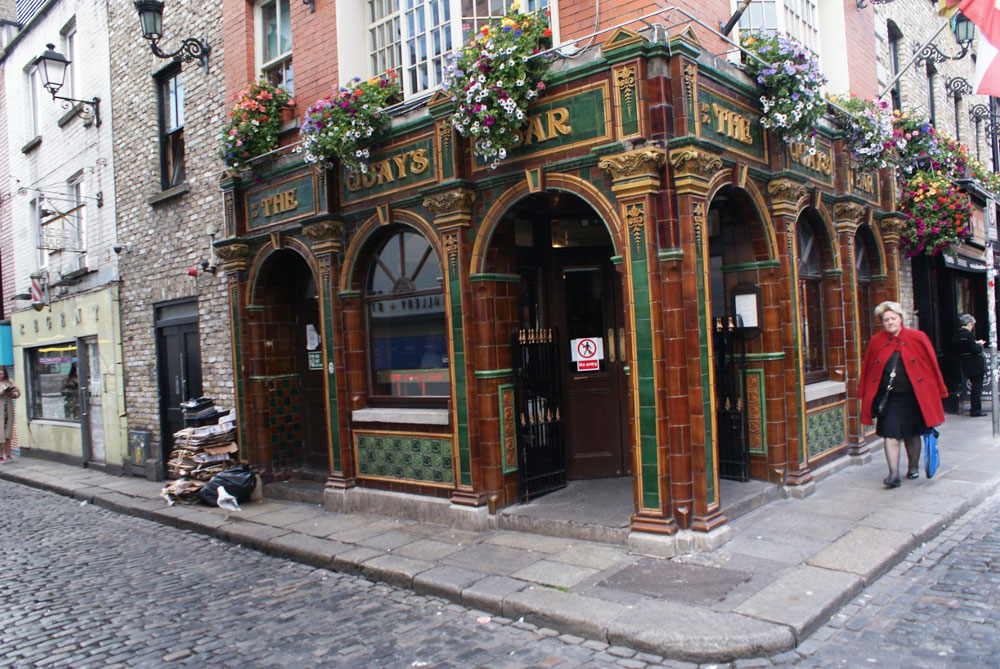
892	449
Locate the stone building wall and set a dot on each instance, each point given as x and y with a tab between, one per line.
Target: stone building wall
164	234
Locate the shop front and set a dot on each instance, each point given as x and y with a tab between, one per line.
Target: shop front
67	362
644	289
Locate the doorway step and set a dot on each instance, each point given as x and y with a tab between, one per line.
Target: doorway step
296	490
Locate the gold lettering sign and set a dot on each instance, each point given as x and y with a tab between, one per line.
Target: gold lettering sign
546	126
817	161
389	169
728	123
275	204
864	181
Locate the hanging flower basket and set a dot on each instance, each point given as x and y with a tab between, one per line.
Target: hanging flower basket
493	80
254	124
871	141
345	123
937	212
791	80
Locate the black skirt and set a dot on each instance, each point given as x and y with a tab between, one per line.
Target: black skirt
903	417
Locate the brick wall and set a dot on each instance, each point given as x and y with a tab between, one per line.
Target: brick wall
165	239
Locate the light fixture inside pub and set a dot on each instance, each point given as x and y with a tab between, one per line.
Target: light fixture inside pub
51	66
151	20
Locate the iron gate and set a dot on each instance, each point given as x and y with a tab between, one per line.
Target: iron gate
540	443
730	399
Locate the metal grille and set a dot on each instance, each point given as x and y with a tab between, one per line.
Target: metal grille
730	397
540	444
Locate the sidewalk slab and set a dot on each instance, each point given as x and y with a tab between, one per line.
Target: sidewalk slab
802	598
865	551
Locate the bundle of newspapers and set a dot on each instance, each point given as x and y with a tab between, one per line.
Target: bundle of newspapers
200	453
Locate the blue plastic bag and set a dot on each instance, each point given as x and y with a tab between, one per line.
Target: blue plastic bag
931	457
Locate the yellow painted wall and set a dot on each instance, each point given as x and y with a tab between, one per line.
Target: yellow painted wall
92	314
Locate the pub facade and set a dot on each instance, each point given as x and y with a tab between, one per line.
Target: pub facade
651	286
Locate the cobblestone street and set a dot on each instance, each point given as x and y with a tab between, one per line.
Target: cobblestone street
940	607
85	587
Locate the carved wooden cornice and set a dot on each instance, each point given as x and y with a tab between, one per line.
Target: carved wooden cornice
233	256
632	164
458	201
848	216
785	193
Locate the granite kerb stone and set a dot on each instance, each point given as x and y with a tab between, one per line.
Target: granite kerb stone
445	581
568	612
394	569
306	549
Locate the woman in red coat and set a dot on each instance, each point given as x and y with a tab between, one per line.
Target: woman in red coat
904	359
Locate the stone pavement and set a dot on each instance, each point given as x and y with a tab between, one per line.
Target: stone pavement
787	569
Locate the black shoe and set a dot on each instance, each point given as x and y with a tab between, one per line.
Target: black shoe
976	415
891	482
913	475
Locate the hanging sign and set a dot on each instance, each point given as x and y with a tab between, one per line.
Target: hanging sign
587	353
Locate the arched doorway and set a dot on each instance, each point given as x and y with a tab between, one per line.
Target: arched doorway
288	363
569	286
738	251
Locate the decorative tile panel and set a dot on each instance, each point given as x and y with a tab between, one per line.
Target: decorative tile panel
285	420
508	437
826	429
427	459
756	411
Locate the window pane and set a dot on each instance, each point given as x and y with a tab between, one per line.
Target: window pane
285	25
405	308
53	386
812	314
269	19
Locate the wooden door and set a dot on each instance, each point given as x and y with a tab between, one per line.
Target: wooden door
587	304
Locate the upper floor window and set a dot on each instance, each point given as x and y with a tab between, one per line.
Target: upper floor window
274	43
895	39
75	229
405	316
170	87
415	36
799	19
34	129
69	48
931	103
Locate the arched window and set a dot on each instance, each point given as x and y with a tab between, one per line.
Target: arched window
864	255
811	308
406	325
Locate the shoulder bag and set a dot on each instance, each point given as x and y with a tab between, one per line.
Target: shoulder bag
881	401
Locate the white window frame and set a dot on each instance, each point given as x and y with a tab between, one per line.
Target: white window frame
34	113
284	58
69	48
76	191
790	18
382	55
36	218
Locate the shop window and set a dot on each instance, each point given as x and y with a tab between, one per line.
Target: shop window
811	297
406	323
415	37
53	386
274	44
170	85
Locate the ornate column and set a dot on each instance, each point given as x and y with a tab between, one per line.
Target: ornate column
688	447
232	255
785	195
848	216
326	241
891	227
452	211
635	181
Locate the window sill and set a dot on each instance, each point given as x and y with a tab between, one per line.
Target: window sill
55	422
163	196
68	116
395	415
821	389
32	143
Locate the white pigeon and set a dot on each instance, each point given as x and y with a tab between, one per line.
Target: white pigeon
226	501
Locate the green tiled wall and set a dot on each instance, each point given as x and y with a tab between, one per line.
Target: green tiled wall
825	429
406	458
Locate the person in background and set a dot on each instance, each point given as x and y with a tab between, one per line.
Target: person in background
906	359
71	394
972	360
8	393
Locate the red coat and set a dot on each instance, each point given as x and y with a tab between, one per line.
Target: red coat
919	360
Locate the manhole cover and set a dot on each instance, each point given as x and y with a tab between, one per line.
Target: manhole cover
682	582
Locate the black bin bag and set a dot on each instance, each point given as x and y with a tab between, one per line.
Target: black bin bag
238	482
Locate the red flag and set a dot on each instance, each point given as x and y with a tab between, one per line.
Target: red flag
987	68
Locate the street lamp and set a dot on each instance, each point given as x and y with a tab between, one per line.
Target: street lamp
963	30
51	67
151	20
